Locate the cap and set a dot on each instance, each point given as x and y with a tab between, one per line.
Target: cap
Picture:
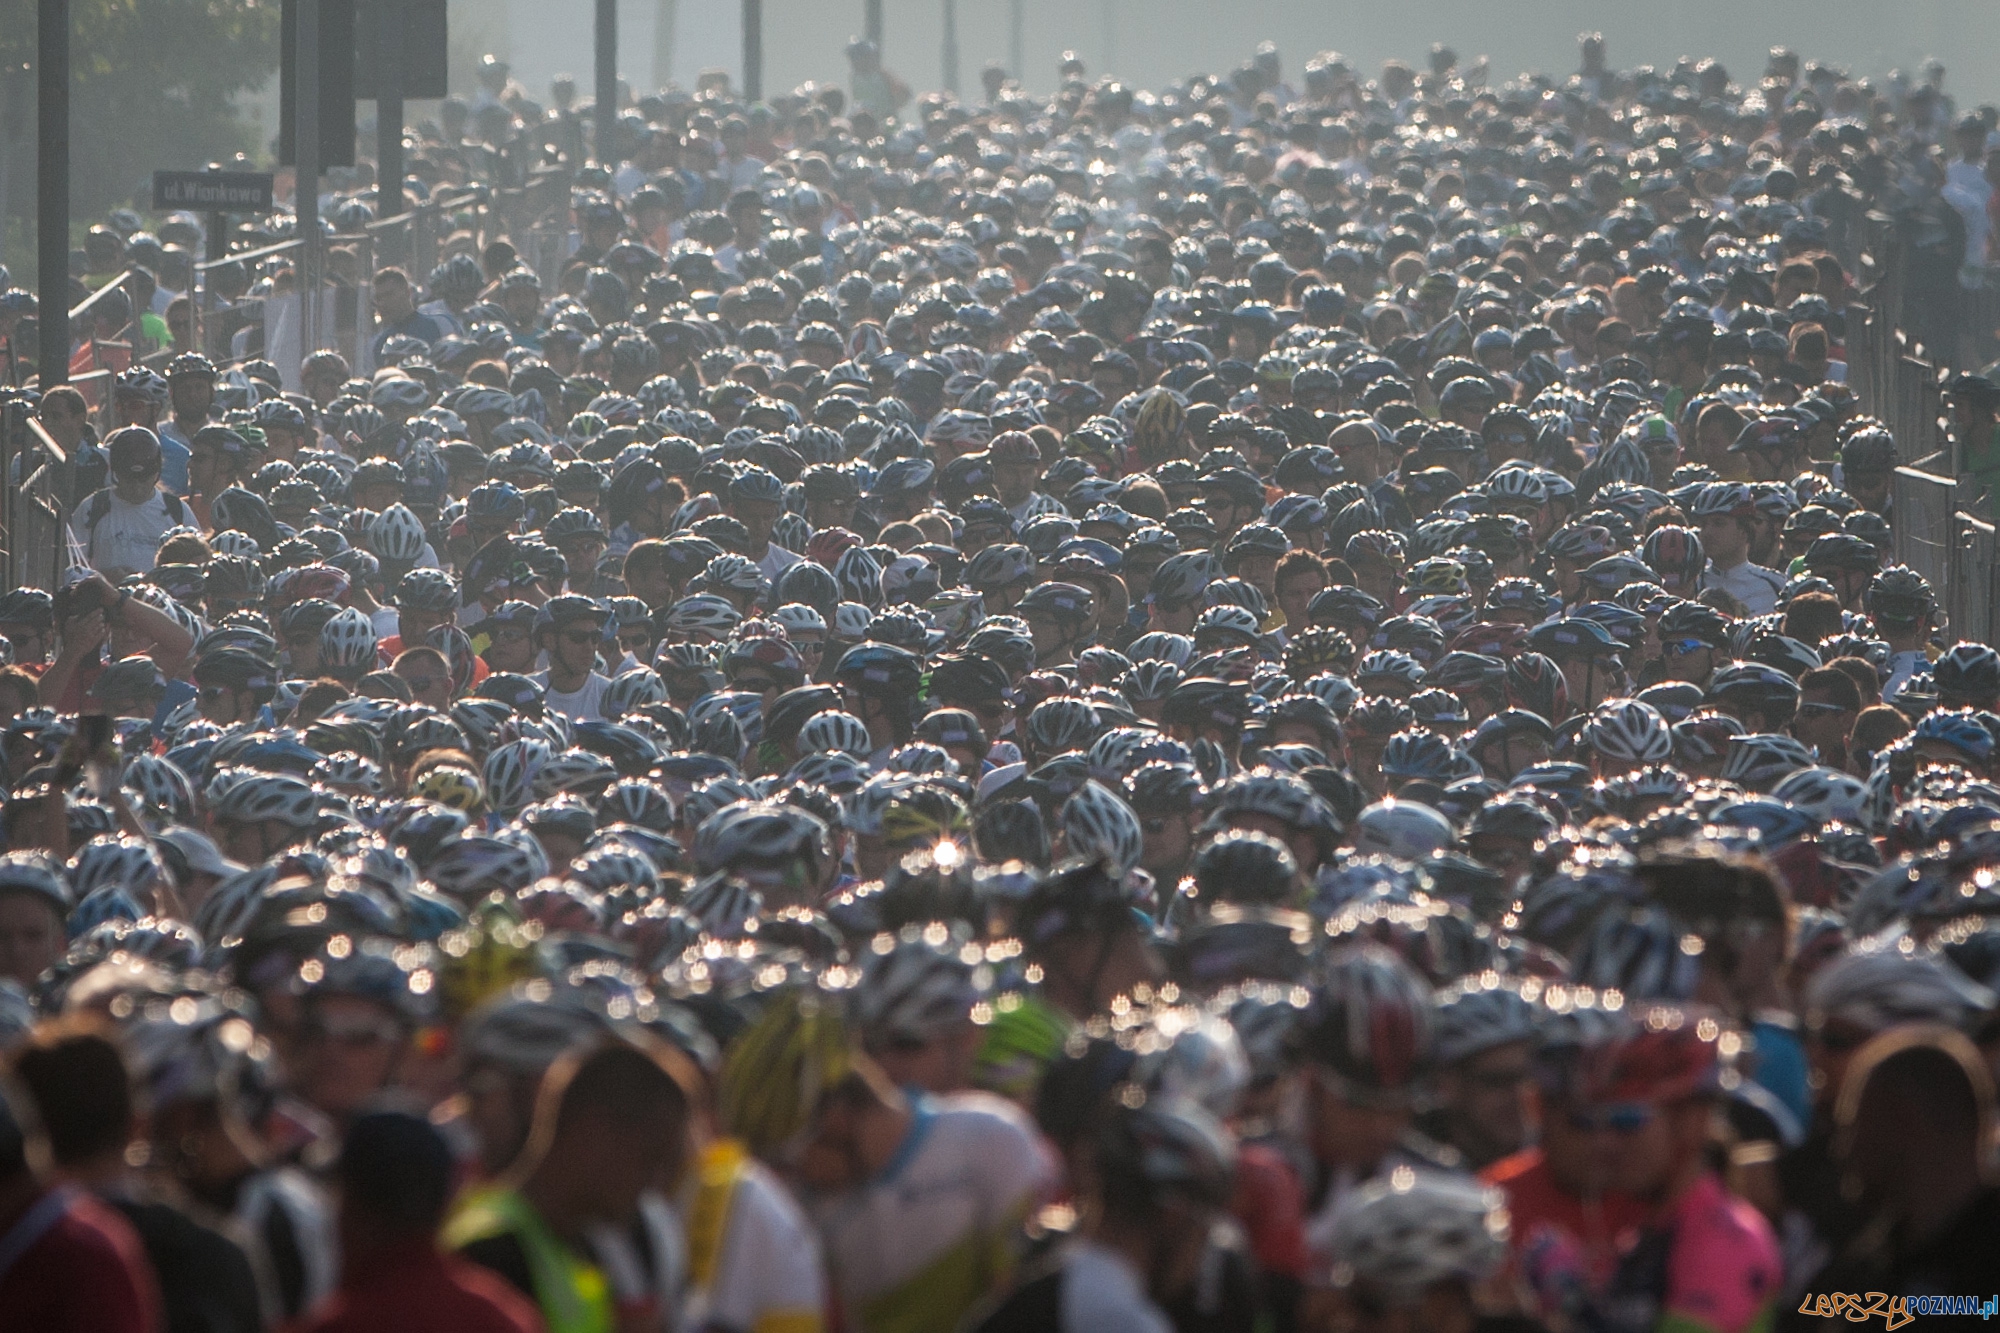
134	452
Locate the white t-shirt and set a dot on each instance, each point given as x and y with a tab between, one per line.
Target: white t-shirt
125	540
1753	585
586	705
775	561
970	1168
1102	1293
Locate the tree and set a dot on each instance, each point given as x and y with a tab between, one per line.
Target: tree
153	85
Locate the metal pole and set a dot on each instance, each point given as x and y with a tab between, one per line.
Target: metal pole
306	193
389	36
1017	58
871	24
607	84
52	178
753	50
951	46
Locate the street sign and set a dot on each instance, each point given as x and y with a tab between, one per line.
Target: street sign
212	191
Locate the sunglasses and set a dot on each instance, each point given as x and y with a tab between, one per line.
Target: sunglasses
1618	1118
424	682
1819	709
1681	647
211	693
581	636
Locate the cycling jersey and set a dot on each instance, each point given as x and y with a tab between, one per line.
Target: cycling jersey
1562	1245
753	1261
1707	1264
932	1234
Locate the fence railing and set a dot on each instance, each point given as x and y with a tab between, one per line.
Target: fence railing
1974	583
33	546
1924	503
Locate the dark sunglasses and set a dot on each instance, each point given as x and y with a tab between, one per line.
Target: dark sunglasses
210	693
1820	709
1681	647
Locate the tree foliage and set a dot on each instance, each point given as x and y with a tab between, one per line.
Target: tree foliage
154	85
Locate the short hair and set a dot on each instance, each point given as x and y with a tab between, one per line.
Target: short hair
1812	616
1867	680
1294	563
317	697
419	655
80	1089
396	1168
614	1079
183	548
23	681
1835	682
72	401
1876	727
392	274
647	556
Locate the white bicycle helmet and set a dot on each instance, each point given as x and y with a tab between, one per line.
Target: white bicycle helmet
1101	827
396	534
1760	760
347	641
1628	730
1413	1229
1827	794
798	618
578	772
633	689
1406	829
836	731
510	774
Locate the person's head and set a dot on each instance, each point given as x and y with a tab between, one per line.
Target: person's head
79	1094
1300	577
1367	1041
611	1123
1915	1114
395	300
510	638
1829	705
395	1175
34	901
427	674
134	458
1411	1254
1651	1091
1875	728
63	413
571	630
232	683
1485	1059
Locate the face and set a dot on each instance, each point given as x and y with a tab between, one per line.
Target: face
415	626
1726	539
31	938
574	647
939	1065
192	395
511	648
1642	1142
223	705
30	644
1014	480
392	300
1488	1095
1822	723
759	516
350	1050
429	683
1344	1134
1686	659
1295	594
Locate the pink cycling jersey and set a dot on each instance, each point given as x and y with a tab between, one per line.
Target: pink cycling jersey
1723	1270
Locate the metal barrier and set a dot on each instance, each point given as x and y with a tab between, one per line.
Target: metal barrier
34	546
1974	582
1924	505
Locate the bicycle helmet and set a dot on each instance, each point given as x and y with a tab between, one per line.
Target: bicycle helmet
1404	1235
1629	731
1370	1026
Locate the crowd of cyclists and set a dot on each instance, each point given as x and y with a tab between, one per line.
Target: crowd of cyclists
1245	707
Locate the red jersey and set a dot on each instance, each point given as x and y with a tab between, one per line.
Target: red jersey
421	1289
70	1264
1561	1244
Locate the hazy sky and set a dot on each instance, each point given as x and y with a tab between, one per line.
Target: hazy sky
1151	41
